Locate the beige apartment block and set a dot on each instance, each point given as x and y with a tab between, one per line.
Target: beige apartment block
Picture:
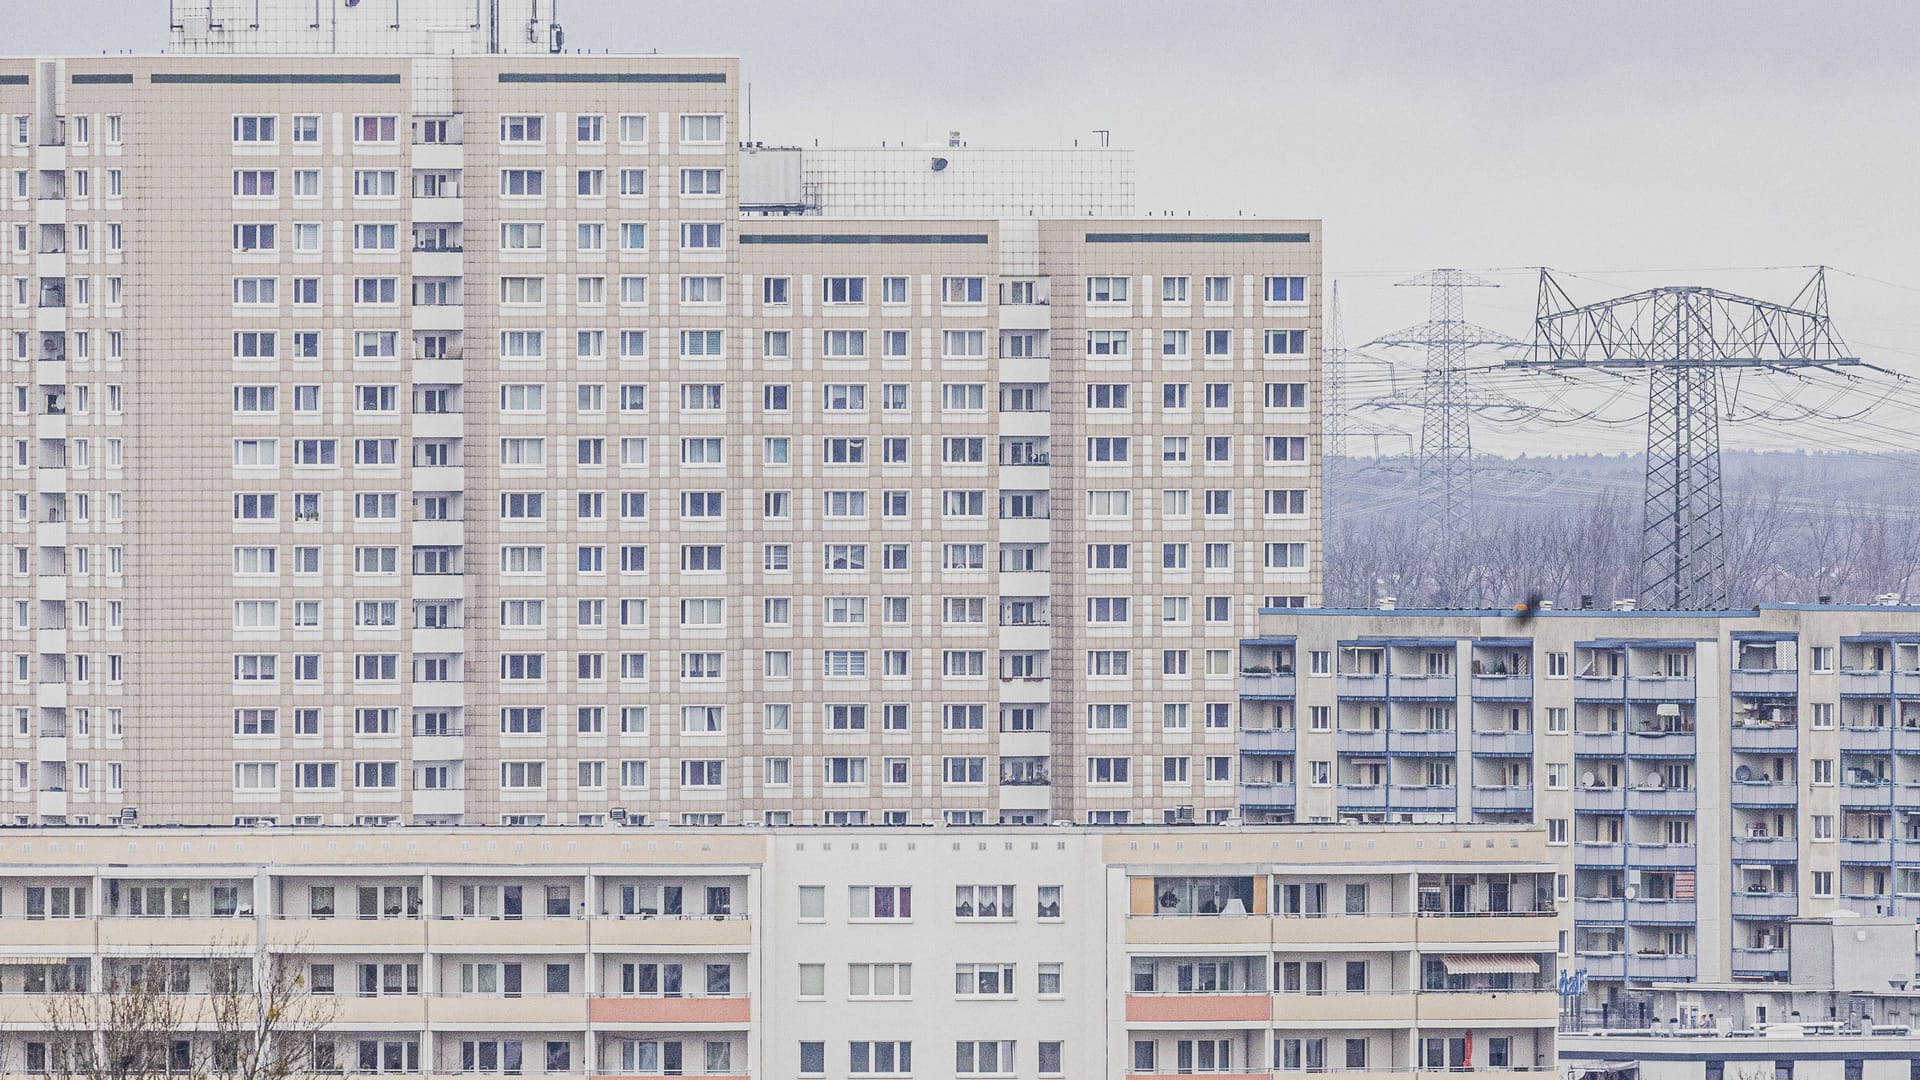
998	952
400	432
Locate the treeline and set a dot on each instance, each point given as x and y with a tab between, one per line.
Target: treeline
1794	534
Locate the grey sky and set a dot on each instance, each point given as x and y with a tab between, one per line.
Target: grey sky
1596	137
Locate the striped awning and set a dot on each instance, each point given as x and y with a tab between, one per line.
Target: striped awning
1491	964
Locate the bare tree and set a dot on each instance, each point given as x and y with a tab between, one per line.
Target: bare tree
237	1014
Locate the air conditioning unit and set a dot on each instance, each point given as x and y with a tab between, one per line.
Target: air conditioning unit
617	814
129	815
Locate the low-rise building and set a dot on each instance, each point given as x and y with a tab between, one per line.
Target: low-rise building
888	952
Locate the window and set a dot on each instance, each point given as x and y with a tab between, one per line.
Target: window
522	129
375	129
975	1057
874	902
843	290
700	235
984	902
1286	343
700	129
254	129
1286	290
701	182
1107	290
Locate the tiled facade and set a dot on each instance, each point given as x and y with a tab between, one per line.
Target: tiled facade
428	439
999	952
1704	778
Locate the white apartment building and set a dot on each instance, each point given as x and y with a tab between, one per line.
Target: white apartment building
1705	778
405	425
997	952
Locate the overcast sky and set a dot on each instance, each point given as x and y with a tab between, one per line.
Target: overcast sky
1604	137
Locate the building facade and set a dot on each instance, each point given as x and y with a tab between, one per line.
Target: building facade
1704	778
834	953
428	439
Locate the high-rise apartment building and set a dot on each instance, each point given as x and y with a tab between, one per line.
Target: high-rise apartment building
405	425
992	953
1705	778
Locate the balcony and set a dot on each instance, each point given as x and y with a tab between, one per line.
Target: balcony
1503	743
1296	1011
1503	797
1489	1008
1756	795
1361	687
1864	683
1599	688
1771	682
1600	800
1866	796
1661	967
1209	1009
1762	963
1765	849
1864	850
1906	739
1659	856
1261	684
1502	687
677	1011
1597	910
1660	744
1361	740
1362	797
1765	738
1599	853
1268	740
1906	851
1424	742
532	1010
1906	683
1268	796
1423	797
1869	740
1662	911
1599	743
1660	688
1764	905
1602	965
1431	687
692	933
1643	800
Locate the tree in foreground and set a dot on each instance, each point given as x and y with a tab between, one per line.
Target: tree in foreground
248	1016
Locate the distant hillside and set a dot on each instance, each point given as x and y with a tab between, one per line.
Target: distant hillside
1799	526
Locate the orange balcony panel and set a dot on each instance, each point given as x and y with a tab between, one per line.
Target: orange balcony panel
736	1011
1199	1008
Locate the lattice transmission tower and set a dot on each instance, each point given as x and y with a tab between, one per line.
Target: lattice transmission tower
1445	458
1685	338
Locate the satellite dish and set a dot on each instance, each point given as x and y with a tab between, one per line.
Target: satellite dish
1654	783
1587	779
1743	774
